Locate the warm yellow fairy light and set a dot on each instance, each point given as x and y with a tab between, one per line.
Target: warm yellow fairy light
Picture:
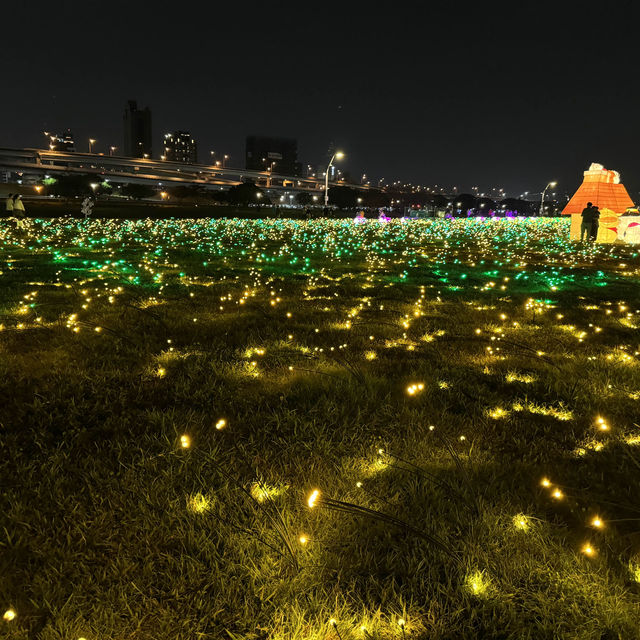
401	622
597	523
545	482
476	583
414	388
588	550
333	622
9	615
185	441
521	522
557	494
311	501
221	424
162	372
602	425
198	503
303	539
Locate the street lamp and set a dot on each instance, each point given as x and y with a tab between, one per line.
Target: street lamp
224	160
91	142
551	184
338	155
111	150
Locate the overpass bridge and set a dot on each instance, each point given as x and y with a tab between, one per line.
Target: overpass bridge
40	162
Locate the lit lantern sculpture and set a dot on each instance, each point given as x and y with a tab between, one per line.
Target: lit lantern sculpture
603	188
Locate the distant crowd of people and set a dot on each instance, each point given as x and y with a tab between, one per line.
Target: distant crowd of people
590	223
14	207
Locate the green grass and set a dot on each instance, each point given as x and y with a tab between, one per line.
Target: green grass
307	339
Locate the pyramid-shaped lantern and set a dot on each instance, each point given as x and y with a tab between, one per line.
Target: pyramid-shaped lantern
603	188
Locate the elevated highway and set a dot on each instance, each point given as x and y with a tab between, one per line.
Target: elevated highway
144	170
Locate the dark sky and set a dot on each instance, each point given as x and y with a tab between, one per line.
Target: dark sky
495	95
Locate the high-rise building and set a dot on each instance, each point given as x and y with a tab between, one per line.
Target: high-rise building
180	146
279	155
137	131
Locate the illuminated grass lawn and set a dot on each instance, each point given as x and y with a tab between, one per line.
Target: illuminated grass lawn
306	430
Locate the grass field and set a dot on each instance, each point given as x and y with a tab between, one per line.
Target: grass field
318	430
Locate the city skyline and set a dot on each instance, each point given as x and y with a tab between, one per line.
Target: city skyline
511	100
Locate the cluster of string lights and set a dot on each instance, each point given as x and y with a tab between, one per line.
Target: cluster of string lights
98	263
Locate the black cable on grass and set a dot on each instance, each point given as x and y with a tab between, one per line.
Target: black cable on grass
357	510
277	521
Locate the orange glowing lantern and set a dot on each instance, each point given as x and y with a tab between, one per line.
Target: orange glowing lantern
603	188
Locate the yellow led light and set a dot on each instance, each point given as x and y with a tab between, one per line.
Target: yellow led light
313	498
185	441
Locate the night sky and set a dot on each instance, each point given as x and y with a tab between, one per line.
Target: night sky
498	95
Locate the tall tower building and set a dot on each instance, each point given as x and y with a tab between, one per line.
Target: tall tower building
137	131
180	146
279	155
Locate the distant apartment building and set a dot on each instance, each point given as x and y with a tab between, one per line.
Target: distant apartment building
62	142
279	155
180	146
137	131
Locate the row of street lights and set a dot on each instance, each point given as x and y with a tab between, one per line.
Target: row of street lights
92	141
219	163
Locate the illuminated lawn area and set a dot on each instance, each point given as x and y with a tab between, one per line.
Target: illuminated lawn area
463	395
